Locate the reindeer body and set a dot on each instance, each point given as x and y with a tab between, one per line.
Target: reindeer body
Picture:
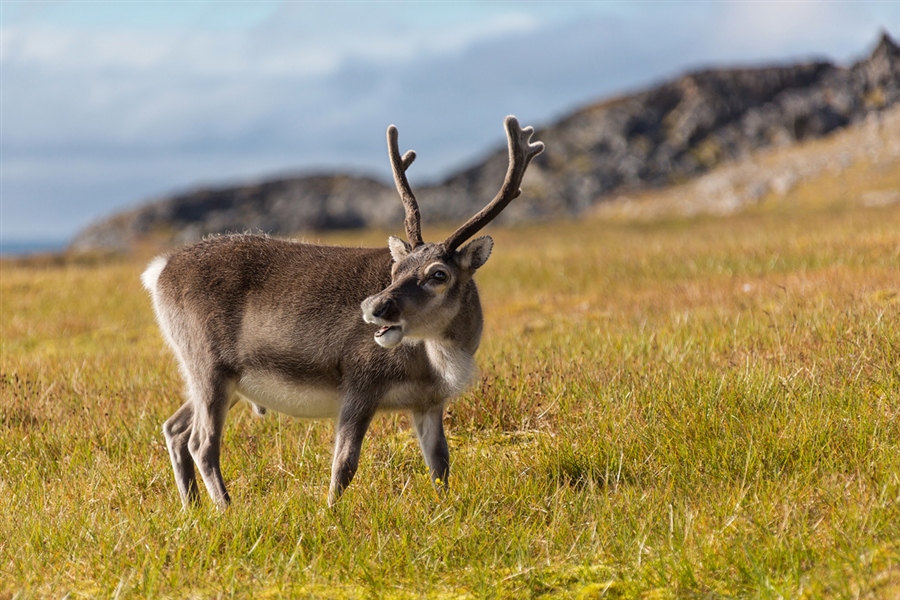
323	332
234	300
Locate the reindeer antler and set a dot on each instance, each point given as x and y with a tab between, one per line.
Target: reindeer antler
413	221
521	151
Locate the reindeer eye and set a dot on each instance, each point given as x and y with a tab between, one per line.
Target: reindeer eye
439	276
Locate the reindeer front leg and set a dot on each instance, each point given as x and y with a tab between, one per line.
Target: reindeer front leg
351	427
430	431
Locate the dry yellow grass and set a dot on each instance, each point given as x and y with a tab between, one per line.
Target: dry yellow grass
668	407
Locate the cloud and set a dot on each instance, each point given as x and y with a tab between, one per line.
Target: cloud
300	40
141	14
816	28
103	111
171	86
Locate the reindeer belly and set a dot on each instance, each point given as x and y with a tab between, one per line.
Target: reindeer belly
292	398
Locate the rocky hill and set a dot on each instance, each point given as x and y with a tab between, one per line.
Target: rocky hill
857	165
667	134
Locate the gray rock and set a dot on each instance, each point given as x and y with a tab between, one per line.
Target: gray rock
667	134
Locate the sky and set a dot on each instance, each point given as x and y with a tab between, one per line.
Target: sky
105	105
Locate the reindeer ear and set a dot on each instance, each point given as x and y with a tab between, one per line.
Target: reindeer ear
475	253
399	248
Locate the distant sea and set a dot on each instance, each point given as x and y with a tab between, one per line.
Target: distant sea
25	247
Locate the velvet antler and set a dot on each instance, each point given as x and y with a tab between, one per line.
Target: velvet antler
521	151
399	165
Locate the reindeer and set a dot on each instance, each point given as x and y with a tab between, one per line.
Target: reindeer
277	323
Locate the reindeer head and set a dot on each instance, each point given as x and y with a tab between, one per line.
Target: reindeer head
432	283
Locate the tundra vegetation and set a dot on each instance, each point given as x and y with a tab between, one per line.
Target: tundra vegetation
667	407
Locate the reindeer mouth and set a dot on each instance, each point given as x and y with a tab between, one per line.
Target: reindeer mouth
389	336
389	333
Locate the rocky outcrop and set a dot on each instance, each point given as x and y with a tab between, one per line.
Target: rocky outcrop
771	174
314	202
667	134
679	130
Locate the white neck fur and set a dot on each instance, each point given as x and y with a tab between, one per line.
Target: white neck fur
453	364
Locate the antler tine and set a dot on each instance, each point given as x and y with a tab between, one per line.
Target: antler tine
521	151
399	165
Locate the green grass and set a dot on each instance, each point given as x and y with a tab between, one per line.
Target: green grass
703	408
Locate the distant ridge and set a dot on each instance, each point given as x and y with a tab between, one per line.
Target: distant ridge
663	135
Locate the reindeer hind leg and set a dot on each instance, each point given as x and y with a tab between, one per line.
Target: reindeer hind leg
211	398
177	431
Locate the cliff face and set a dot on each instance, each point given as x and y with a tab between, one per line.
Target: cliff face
663	135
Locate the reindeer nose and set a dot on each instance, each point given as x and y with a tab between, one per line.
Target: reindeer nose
384	308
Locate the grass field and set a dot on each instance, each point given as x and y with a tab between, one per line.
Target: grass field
678	408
